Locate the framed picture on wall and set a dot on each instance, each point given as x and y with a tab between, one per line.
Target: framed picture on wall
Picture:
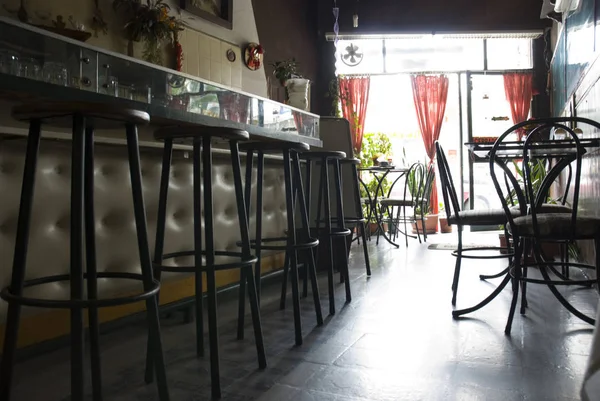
218	12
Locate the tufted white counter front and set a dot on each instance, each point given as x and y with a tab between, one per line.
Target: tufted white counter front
115	227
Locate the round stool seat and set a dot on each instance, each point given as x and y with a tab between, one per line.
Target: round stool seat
351	160
195	131
323	154
60	114
275	146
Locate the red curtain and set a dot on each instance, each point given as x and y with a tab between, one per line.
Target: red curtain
519	92
354	97
430	93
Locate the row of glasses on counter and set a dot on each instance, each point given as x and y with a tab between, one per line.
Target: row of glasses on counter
50	71
57	73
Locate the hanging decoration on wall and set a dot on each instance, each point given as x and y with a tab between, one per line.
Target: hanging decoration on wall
352	57
178	50
253	56
355	16
336	25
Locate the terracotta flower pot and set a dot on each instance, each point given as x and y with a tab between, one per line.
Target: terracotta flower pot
431	224
444	226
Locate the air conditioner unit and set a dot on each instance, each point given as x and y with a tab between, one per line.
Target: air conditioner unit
565	6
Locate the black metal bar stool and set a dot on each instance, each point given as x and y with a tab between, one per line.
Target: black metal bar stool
295	241
83	118
201	138
326	159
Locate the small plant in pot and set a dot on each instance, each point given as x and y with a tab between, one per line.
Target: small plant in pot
443	218
296	86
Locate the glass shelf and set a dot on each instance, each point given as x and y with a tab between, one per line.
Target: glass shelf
39	58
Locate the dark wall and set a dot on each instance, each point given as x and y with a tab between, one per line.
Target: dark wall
288	29
436	15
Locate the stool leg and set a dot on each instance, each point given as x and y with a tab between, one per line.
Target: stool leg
90	263
360	214
259	206
139	209
159	243
307	203
76	258
286	270
213	330
20	258
198	290
293	257
310	265
247	253
325	191
342	226
242	289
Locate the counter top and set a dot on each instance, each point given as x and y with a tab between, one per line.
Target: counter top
170	97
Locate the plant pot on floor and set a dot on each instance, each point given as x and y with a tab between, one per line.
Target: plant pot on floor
431	225
445	228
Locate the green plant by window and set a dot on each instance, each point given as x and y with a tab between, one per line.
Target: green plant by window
286	69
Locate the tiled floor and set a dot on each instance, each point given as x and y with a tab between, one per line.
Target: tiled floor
395	341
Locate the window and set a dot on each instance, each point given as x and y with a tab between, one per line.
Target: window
359	56
504	54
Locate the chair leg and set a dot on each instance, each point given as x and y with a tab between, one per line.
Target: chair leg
159	242
341	226
307	191
310	265
286	270
292	255
76	258
213	330
360	214
20	258
91	271
198	284
242	288
519	246
258	235
457	265
524	283
243	213
145	260
325	190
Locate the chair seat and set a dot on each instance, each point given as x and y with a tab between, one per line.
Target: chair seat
323	154
351	160
60	113
549	208
481	217
396	202
558	226
274	146
194	131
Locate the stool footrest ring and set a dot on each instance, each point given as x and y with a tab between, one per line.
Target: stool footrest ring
509	253
267	244
244	261
9	297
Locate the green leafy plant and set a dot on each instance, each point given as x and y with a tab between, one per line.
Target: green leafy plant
374	145
334	94
286	69
148	21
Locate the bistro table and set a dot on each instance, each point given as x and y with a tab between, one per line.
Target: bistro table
561	151
380	173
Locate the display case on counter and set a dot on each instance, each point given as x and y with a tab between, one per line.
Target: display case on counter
42	65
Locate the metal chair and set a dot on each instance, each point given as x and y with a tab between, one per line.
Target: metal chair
537	222
462	218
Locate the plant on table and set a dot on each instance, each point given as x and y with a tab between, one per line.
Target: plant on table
374	145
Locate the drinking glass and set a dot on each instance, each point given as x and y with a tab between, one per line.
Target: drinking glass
56	73
30	68
9	62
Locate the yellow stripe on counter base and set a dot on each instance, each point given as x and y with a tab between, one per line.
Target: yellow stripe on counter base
46	326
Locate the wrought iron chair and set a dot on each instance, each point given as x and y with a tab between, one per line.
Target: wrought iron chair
538	222
462	218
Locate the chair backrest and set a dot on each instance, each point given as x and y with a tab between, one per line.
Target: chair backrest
534	191
451	203
425	190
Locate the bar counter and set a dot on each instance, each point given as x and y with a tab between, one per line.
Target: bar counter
170	98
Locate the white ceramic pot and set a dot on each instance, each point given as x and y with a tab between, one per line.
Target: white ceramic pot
297	89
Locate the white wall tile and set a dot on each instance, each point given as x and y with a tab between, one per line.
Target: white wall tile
236	77
226	73
215	49
204	67
215	71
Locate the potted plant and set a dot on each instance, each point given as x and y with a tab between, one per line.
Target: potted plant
296	86
148	21
445	228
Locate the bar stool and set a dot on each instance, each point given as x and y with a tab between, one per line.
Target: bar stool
201	138
326	159
294	241
84	118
